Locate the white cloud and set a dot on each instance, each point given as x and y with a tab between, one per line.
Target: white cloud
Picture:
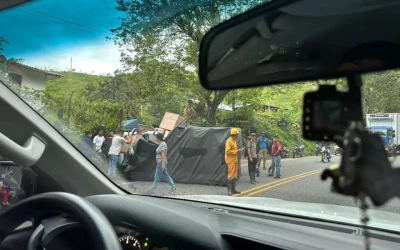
100	58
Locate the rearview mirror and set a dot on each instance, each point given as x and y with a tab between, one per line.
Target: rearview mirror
290	41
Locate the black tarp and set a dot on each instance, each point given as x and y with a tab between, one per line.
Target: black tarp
195	155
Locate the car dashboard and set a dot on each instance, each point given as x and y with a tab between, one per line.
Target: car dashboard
144	222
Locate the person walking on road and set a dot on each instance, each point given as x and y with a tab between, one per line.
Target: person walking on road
276	158
161	165
262	143
252	159
231	159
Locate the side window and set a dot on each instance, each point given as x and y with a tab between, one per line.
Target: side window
17	79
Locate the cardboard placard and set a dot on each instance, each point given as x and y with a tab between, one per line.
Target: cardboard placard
170	121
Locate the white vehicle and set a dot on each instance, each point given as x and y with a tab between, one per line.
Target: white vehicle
386	125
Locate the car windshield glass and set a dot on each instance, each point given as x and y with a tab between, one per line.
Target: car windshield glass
118	79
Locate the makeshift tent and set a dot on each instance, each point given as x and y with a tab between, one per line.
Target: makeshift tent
131	124
195	155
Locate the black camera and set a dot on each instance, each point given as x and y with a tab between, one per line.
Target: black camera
326	113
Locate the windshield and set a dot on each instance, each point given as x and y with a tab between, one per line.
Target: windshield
381	132
119	80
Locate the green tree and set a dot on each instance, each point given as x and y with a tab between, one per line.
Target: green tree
166	30
380	92
155	87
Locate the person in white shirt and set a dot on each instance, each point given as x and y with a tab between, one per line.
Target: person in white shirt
98	141
113	154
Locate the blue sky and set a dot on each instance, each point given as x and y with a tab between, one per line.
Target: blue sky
47	33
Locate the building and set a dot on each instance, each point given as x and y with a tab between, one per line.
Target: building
269	108
221	107
28	76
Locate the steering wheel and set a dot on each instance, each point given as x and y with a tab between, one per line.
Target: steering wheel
97	225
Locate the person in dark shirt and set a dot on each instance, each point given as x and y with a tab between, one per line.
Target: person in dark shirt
105	147
86	143
269	149
87	138
252	161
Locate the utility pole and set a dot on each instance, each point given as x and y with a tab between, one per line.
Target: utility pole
234	105
71	65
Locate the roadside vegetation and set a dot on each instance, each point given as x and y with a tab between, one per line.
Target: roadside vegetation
162	77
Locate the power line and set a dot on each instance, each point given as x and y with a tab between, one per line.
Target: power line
67	22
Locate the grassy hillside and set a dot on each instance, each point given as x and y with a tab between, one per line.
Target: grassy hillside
71	81
289	99
287	96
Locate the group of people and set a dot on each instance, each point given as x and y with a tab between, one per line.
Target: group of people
257	150
111	146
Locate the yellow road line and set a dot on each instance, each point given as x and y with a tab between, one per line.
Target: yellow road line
281	183
277	181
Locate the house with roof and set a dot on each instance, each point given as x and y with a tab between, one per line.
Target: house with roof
28	76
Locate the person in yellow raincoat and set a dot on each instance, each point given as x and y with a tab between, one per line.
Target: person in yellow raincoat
231	159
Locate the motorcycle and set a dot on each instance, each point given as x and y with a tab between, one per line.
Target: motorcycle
326	154
284	152
317	149
338	150
298	150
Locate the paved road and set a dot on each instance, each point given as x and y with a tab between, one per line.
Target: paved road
300	182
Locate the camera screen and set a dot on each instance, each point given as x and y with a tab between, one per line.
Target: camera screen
328	114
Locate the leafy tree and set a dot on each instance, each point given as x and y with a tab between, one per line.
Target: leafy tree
380	92
166	30
154	88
